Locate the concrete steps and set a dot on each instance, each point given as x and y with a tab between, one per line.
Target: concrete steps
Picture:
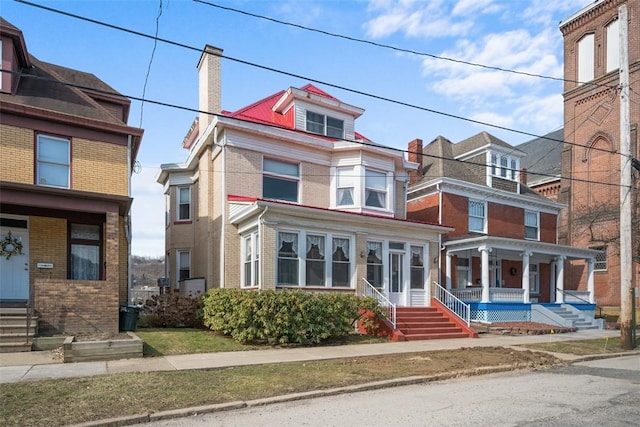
15	336
577	319
426	323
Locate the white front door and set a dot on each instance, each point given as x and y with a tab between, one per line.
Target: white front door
396	278
14	267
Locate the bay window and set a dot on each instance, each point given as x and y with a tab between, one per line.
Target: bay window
251	260
375	189
345	187
184	264
184	204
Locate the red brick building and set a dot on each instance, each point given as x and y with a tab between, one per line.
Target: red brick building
590	157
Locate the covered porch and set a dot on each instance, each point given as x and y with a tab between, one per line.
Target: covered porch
501	277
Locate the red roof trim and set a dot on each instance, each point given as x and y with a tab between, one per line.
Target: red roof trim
234	198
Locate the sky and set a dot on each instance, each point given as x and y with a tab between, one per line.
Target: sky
408	92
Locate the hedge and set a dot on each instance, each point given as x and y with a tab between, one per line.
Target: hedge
280	317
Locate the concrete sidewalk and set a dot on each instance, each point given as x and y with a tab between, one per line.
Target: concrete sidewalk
40	365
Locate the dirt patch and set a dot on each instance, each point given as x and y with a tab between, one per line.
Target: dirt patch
100	336
521	328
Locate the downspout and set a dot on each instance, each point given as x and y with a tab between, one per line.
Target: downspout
261	237
223	203
127	223
440	247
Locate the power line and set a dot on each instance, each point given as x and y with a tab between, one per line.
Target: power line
297	76
153	51
363	143
386	46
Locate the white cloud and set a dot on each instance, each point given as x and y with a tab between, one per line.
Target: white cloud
147	214
470	7
428	19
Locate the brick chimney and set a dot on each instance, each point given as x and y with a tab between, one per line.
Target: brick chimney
415	155
209	93
523	176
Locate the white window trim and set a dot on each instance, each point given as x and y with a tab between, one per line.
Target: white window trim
284	177
537	214
328	257
254	280
38	161
484	218
602	249
613	46
534	286
586	59
325	124
178	204
498	169
179	265
388	191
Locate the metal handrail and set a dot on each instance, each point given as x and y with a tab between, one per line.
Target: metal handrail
453	303
565	292
388	307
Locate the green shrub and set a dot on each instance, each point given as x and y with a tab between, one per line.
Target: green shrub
172	311
280	317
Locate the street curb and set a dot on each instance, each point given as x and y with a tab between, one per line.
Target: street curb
603	356
376	385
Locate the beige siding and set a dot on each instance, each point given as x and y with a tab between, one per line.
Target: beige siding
400	211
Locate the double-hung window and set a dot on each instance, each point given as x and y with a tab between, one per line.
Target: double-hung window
417	267
374	264
287	258
251	260
315	262
613	51
375	189
184	264
477	216
325	125
280	180
53	161
345	187
341	266
85	252
531	226
184	203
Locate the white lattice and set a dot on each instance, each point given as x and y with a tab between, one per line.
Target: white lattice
492	316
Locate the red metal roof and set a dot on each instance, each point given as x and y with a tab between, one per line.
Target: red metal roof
262	111
235	198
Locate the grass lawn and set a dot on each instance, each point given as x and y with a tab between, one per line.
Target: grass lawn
76	400
164	342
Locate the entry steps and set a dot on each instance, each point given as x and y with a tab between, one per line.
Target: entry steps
15	335
576	318
426	323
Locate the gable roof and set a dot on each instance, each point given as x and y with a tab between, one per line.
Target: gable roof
543	156
480	140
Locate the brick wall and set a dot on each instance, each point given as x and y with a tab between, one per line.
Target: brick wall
505	221
455	214
72	307
99	167
425	208
16	162
47	244
548	228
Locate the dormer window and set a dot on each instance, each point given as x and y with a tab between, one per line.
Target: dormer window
505	167
325	125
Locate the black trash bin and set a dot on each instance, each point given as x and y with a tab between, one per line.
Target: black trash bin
128	317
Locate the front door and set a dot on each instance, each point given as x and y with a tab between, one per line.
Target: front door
396	278
14	266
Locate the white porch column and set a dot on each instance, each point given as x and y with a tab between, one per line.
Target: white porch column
560	279
525	277
552	281
591	287
448	270
484	252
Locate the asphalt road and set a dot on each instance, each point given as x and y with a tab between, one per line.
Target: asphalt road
597	393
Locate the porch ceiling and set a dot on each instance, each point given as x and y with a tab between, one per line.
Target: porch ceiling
515	247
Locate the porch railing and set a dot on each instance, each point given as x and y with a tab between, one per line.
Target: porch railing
495	294
579	297
453	303
388	308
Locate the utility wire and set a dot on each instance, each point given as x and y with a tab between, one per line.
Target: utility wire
153	51
386	46
297	76
273	126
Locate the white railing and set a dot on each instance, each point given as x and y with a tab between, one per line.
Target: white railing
495	294
453	303
388	308
578	297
